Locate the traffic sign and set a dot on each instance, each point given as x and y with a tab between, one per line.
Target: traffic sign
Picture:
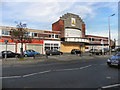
6	41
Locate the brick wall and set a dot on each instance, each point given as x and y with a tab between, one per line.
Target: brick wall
59	26
83	30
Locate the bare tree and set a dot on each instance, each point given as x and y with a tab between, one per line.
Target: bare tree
21	34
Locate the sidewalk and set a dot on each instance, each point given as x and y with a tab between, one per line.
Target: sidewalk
66	58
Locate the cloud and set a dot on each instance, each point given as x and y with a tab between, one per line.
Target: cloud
60	0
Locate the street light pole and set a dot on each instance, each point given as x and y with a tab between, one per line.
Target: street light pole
109	34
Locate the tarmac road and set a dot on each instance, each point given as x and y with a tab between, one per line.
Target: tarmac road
72	74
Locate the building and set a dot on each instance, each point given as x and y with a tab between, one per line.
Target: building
67	33
41	40
73	35
72	30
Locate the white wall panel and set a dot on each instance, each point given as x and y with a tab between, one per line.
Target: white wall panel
72	33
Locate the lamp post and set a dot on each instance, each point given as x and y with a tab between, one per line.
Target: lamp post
109	34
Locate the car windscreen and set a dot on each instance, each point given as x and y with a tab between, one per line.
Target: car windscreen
117	54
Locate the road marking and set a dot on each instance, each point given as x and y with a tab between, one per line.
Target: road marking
110	86
73	68
44	72
108	77
31	74
36	73
10	77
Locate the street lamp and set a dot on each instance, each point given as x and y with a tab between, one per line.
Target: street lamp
109	34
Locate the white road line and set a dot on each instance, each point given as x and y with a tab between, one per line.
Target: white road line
44	72
73	68
36	73
31	74
10	77
110	86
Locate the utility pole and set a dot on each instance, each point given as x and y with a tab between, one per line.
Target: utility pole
6	41
109	34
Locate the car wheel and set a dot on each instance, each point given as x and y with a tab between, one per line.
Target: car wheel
60	53
26	55
16	56
109	64
50	54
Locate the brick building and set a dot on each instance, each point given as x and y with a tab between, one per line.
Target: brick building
67	33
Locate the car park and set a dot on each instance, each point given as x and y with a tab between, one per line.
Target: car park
114	60
30	53
10	54
75	51
53	52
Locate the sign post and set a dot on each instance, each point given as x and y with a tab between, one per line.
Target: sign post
6	41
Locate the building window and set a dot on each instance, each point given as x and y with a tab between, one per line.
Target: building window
34	34
52	35
86	47
5	32
90	39
93	39
49	35
28	34
56	36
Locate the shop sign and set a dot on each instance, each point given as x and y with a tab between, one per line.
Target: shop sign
73	21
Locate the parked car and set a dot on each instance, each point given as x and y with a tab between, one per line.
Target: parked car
10	54
95	51
105	51
114	60
30	53
75	51
53	52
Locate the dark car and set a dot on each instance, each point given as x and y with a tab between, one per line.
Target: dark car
53	52
95	51
114	60
75	51
10	54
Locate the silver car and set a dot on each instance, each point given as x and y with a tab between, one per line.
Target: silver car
114	60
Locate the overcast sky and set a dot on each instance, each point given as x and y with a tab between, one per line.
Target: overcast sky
41	15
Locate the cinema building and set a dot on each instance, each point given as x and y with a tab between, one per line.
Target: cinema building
67	33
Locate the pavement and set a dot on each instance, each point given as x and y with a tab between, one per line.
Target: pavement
54	58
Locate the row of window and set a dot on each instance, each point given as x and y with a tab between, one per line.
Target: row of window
53	36
92	39
5	32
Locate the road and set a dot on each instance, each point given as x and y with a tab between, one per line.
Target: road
73	74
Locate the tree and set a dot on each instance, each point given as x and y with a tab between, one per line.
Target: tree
20	33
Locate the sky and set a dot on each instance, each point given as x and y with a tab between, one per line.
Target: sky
40	15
